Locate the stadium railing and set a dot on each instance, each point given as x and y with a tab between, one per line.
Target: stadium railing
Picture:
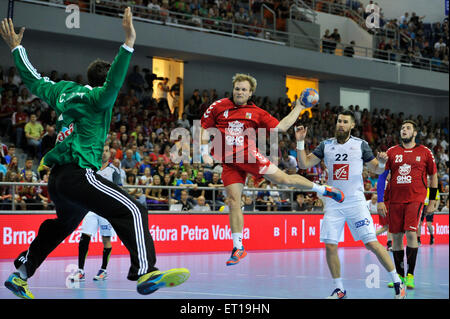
215	203
244	31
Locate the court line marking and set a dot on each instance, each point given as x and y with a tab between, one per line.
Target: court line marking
170	292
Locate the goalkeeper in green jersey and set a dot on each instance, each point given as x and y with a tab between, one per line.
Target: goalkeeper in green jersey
84	116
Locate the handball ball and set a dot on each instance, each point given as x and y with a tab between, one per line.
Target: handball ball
309	97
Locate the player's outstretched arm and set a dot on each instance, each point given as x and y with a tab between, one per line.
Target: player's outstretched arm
104	97
40	86
127	24
304	161
11	38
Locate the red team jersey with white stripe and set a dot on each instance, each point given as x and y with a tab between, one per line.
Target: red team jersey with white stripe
235	123
409	169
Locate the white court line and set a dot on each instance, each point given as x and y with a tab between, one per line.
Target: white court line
170	292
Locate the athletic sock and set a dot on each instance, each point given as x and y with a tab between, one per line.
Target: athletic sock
411	257
395	277
399	255
22	272
237	240
318	188
83	248
106	255
337	282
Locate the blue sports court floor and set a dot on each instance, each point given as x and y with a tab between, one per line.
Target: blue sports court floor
293	274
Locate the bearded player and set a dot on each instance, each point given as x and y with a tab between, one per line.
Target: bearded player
409	164
345	156
235	122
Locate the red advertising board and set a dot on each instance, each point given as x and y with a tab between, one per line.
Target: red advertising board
200	233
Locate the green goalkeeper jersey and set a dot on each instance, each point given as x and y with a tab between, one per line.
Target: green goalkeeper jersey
83	113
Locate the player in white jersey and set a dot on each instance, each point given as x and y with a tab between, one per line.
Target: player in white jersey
92	222
344	156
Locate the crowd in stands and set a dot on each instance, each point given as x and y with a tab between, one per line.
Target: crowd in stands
140	145
407	39
417	41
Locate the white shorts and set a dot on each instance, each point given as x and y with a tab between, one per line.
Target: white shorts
358	219
92	222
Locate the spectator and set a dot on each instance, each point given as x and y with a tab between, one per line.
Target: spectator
155	199
34	132
6	112
48	139
336	37
184	201
201	205
161	94
28	192
136	192
215	200
349	51
327	45
18	120
300	205
185	182
123	175
128	163
200	182
175	91
184	122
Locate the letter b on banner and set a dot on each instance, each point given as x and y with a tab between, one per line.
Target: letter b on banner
276	232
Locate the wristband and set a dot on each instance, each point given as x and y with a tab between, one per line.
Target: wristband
204	149
433	192
300	145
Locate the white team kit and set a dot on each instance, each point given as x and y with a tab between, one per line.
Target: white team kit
345	164
92	221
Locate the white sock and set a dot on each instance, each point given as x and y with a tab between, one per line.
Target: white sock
394	276
338	283
237	240
318	188
22	272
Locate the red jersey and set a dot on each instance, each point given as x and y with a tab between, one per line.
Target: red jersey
238	126
409	169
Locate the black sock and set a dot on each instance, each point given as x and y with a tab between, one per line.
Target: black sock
83	248
399	255
411	257
389	243
106	254
418	239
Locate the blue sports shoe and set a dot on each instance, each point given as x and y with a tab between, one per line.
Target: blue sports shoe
18	286
334	193
236	256
154	280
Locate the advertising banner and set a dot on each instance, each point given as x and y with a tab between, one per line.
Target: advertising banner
173	233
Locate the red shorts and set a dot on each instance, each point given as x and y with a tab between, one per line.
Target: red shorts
237	172
404	216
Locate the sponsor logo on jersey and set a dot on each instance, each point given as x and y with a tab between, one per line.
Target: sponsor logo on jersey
64	133
404	177
364	222
248	115
234	133
340	172
418	159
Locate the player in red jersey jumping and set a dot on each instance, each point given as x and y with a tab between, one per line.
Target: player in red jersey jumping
237	122
409	165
